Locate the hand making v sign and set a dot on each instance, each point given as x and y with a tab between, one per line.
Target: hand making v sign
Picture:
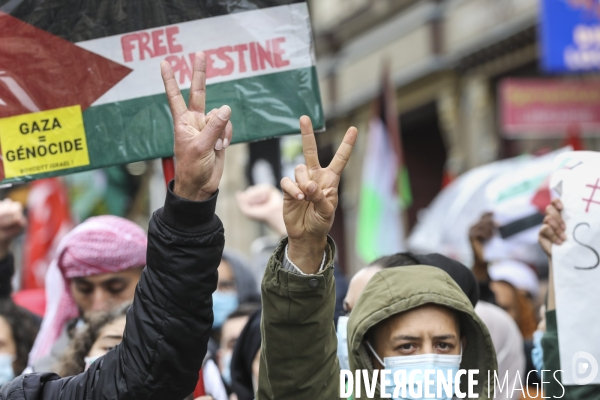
310	202
200	139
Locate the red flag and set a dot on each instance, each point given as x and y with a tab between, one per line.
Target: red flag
49	220
447	178
200	391
573	138
33	300
27	52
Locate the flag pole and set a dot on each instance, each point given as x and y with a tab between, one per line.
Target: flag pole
168	169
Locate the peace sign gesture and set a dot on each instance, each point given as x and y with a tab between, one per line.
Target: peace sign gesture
200	139
309	203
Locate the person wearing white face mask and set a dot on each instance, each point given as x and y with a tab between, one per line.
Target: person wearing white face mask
458	272
93	340
417	316
424	338
96	338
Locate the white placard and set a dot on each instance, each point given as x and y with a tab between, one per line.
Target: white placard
576	266
232	44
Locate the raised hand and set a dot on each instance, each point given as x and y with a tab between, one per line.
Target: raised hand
263	203
484	229
12	223
480	233
309	203
200	139
553	229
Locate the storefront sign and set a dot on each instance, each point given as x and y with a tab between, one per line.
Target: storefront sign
548	107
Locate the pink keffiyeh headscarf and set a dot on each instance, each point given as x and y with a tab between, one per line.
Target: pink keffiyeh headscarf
100	245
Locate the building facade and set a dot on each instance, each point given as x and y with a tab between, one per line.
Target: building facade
446	58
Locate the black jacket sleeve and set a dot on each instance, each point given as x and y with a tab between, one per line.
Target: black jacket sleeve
7	269
168	325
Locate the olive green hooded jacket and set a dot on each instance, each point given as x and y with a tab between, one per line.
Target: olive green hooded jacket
299	344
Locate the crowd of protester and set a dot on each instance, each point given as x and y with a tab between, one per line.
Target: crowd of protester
131	315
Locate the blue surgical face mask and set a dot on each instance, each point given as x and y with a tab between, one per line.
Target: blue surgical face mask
226	371
537	353
224	303
447	364
342	340
6	368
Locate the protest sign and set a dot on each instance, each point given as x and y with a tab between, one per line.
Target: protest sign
576	266
89	76
518	200
548	107
515	190
443	227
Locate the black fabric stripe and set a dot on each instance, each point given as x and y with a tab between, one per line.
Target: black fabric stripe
79	20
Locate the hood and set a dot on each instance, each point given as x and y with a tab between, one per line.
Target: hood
395	290
247	288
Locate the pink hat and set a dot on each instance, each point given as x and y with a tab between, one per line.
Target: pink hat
100	245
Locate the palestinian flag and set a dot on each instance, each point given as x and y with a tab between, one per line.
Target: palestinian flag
80	84
385	189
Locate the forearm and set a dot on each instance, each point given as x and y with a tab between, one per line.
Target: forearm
4	250
7	269
307	256
169	323
480	265
298	358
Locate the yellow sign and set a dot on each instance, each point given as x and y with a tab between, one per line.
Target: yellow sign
44	141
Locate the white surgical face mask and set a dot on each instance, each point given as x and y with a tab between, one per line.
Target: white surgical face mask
7	373
447	364
342	338
90	360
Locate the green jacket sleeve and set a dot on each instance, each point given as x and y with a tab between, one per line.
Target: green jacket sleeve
552	387
299	344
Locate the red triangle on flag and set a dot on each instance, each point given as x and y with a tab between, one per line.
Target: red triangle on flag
40	71
542	197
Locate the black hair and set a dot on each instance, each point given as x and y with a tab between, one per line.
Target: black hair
24	326
73	361
244	310
395	260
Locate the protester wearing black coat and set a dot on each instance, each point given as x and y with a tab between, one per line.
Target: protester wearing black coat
168	325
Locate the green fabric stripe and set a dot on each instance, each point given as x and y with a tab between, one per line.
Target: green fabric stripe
141	129
369	223
404	188
522	188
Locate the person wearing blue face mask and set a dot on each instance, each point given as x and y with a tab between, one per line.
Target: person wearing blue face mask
230	332
236	289
235	286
